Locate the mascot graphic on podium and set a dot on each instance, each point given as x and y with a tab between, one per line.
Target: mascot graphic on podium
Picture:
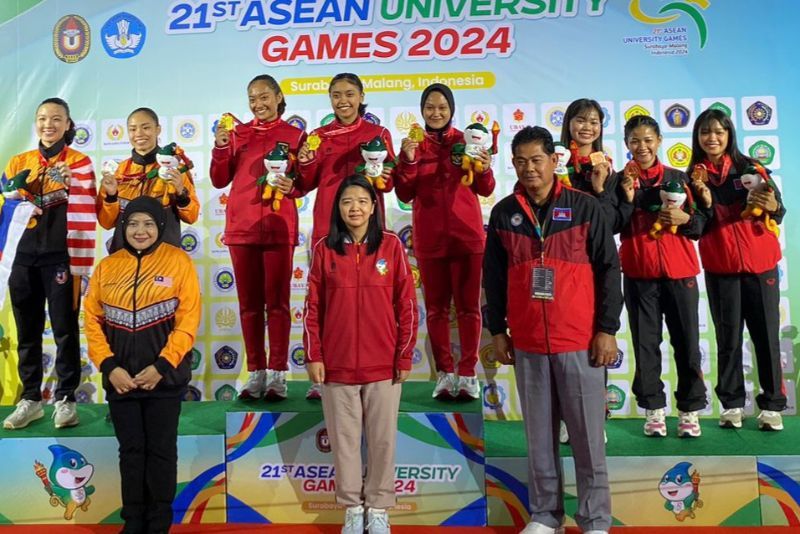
67	483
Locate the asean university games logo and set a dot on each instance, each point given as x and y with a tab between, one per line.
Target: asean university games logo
678	7
123	35
71	38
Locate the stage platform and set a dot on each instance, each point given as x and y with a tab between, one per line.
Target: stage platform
270	462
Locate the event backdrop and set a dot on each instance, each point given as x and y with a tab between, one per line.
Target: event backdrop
518	62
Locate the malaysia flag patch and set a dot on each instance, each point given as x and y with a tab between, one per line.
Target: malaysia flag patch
562	214
163	281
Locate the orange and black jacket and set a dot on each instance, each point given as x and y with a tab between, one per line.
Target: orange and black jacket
730	244
132	182
46	243
144	309
673	256
578	245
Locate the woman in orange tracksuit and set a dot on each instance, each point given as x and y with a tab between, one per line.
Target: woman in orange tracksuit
137	176
142	314
260	238
360	329
53	252
448	238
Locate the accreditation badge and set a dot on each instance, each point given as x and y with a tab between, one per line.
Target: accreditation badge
543	283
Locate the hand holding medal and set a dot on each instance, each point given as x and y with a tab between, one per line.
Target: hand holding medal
630	181
309	148
600	171
699	181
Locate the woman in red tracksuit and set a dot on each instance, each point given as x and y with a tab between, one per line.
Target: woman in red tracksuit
360	330
448	238
260	235
740	257
339	153
661	280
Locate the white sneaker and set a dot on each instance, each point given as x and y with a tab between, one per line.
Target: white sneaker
689	425
354	520
655	423
314	392
538	528
255	386
468	387
378	521
275	384
770	420
445	386
24	414
65	413
563	433
731	418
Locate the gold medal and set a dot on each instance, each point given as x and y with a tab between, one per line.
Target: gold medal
32	223
225	122
597	158
700	173
313	141
416	133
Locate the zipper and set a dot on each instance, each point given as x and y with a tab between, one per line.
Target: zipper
358	297
135	288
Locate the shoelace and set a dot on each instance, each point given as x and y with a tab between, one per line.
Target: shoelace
378	520
351	519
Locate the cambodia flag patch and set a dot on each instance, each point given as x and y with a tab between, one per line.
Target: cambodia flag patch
562	214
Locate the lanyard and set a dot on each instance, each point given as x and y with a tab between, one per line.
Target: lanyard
537	227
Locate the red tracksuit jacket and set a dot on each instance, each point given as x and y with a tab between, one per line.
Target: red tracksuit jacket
360	314
579	246
250	220
731	244
672	256
336	159
447	215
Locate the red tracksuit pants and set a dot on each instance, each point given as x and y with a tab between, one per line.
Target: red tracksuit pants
263	276
446	279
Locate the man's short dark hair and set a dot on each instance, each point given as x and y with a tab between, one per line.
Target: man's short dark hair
533	134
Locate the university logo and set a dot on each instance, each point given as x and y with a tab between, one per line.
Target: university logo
298	122
225	393
617	363
192	394
195	357
189	242
323	442
405	235
555	117
481	117
327	119
494	396
721	107
421	312
415	275
677	115
763	152
115	133
302	239
372	118
408	207
759	114
301	204
83	136
416	356
615	397
297	315
225	318
226	357
123	36
672	11
404	121
188	130
636	110
298	356
223	279
71	38
606	116
67	482
679	155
